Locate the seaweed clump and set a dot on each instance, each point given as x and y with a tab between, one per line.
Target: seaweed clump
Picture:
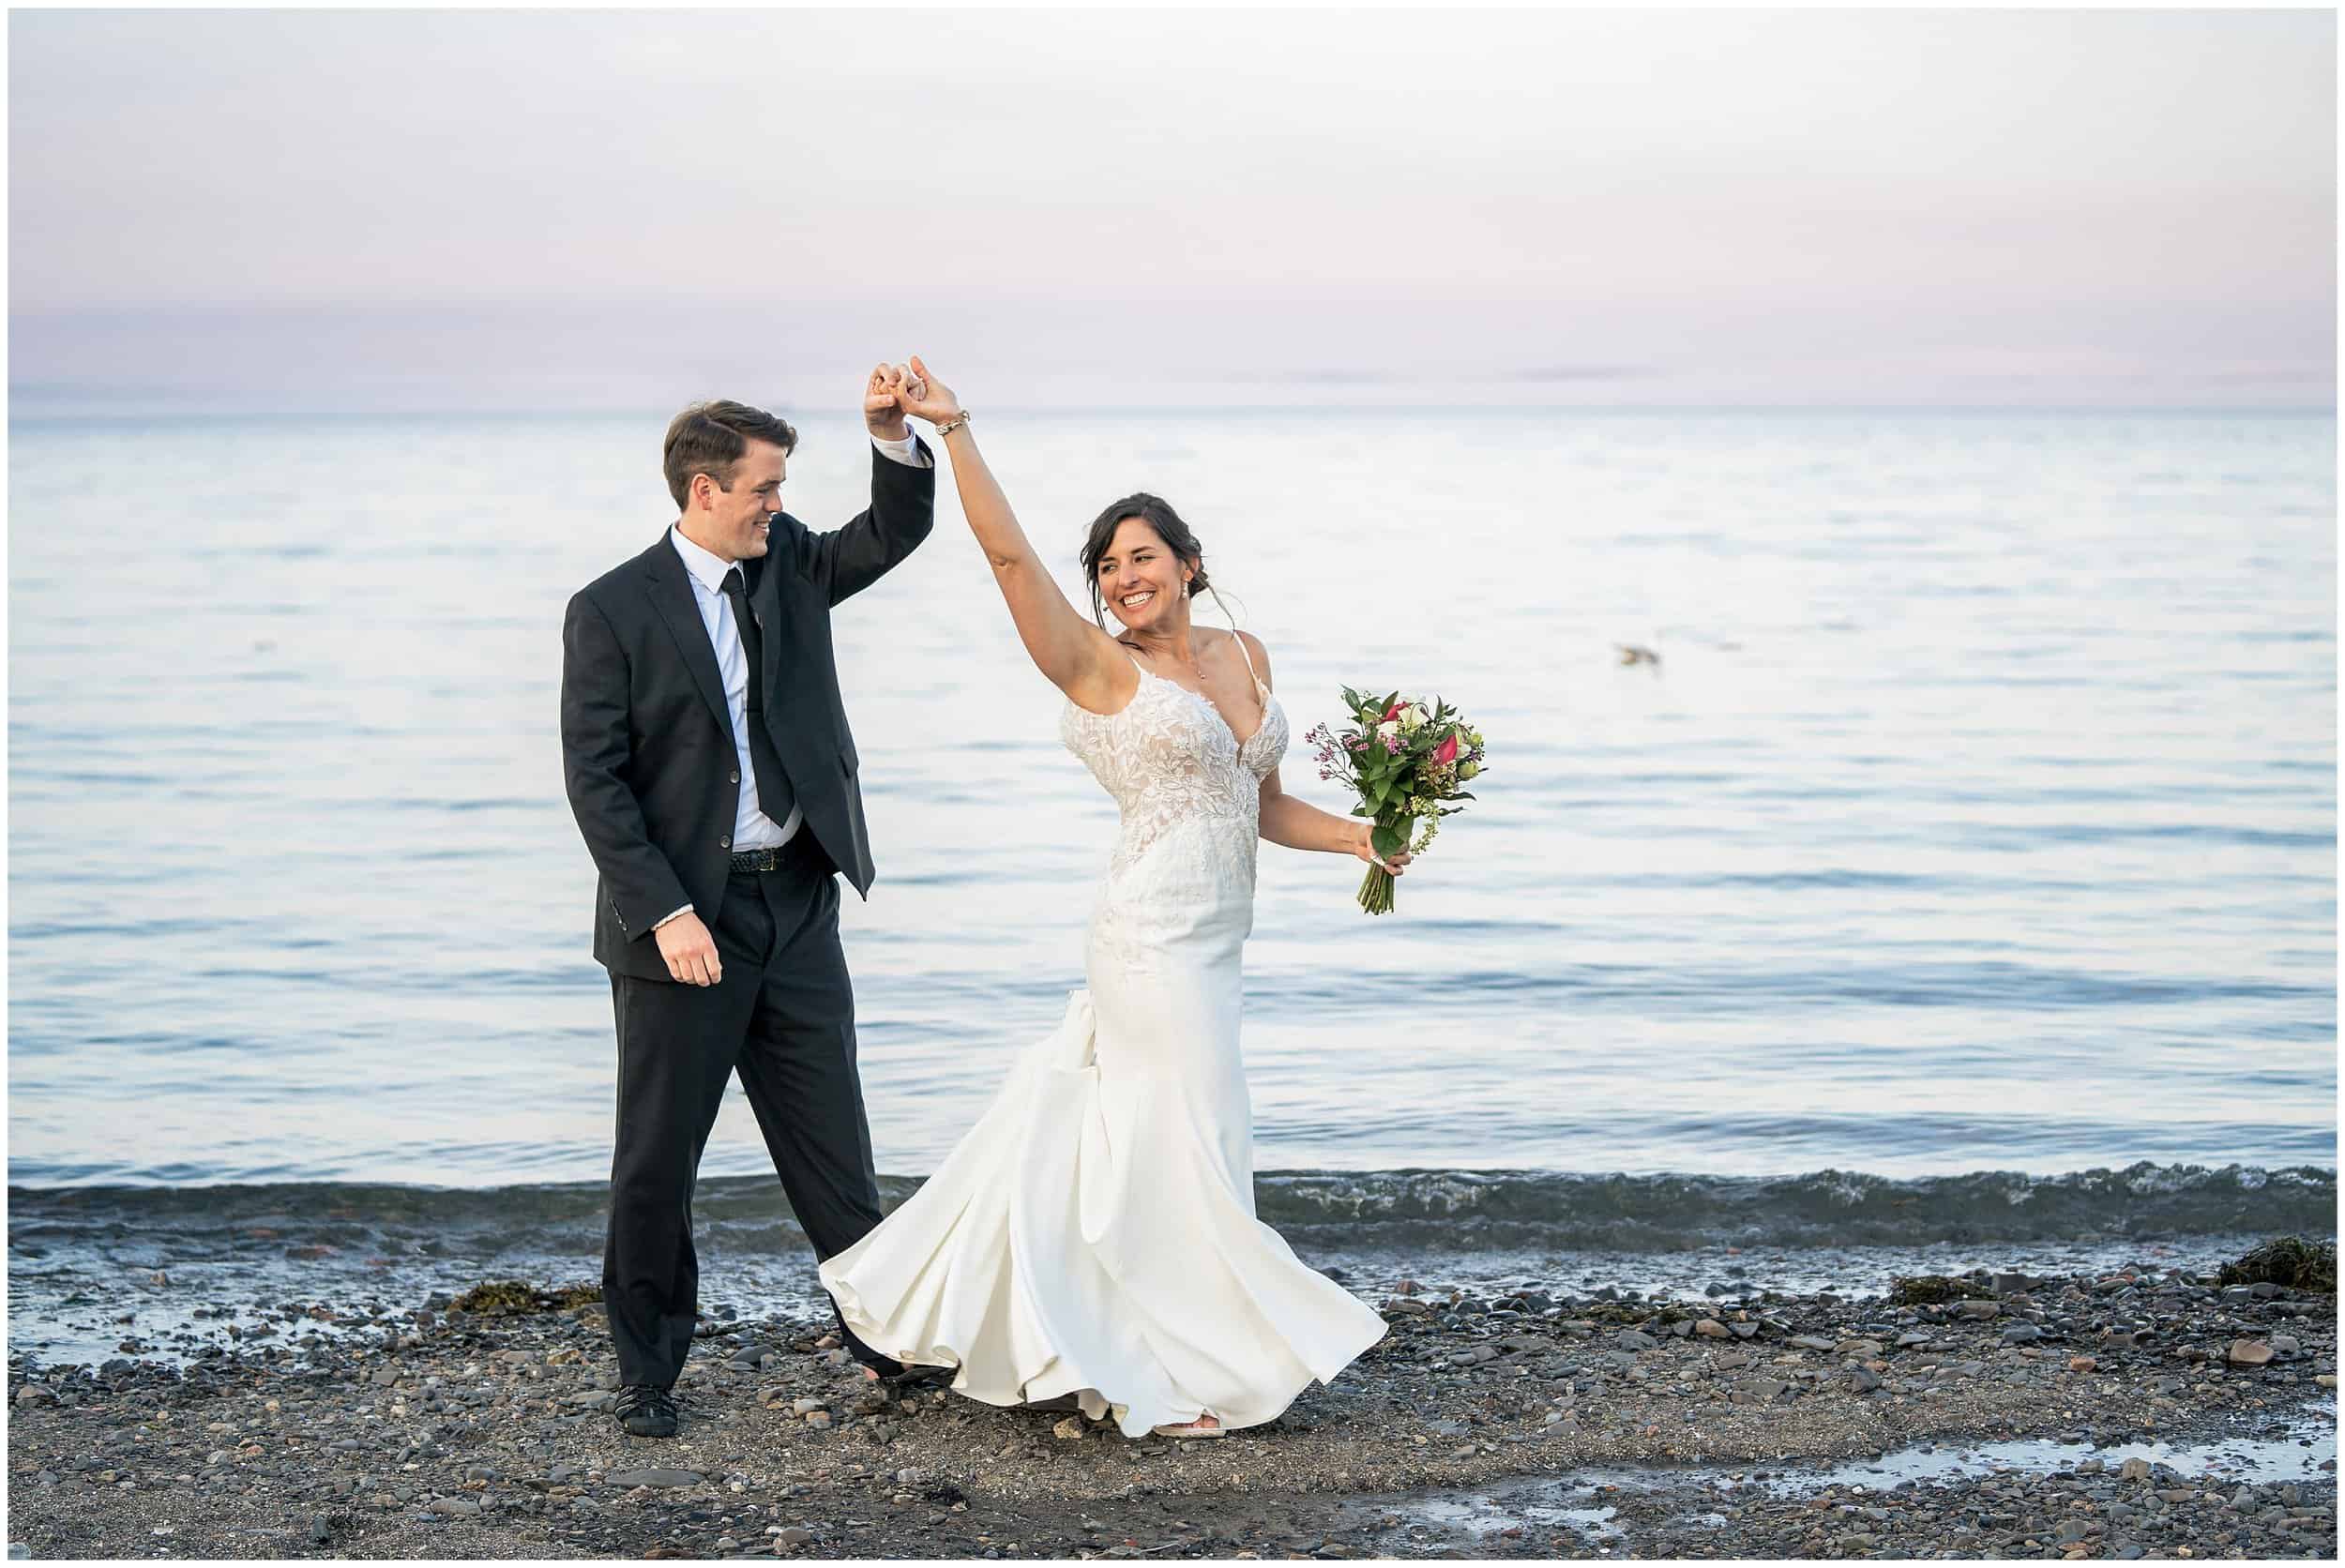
1928	1289
513	1298
1636	1314
2289	1261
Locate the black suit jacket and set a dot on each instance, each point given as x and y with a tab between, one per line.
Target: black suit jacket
648	752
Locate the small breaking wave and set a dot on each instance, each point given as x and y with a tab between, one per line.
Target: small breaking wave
1357	1211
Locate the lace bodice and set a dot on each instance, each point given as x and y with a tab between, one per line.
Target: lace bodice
1168	756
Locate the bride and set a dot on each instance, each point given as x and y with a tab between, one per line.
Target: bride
1093	1233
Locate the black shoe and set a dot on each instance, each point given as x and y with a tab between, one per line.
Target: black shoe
894	1374
920	1378
908	1380
646	1411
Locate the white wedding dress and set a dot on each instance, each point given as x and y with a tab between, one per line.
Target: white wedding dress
1093	1233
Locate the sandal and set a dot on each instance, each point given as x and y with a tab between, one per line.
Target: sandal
1192	1428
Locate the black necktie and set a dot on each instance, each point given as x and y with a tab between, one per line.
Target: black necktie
773	795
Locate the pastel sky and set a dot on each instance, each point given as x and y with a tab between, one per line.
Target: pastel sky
285	209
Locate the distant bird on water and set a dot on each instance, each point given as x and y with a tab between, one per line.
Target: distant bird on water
1631	654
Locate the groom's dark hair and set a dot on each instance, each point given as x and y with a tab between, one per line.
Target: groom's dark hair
1157	513
711	438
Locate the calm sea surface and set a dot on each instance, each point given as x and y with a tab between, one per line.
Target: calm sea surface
1980	816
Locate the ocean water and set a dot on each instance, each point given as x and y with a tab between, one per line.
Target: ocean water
1980	815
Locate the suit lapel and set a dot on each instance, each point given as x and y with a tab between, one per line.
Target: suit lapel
671	591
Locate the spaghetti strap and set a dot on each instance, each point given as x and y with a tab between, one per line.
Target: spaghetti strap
1237	638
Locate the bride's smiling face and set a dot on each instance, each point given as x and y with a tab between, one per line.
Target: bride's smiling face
1140	578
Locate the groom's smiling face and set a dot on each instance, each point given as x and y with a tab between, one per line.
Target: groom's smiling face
734	520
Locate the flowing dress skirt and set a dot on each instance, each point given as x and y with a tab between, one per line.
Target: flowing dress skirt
1093	1233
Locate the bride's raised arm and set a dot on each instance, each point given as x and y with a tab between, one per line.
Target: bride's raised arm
1080	659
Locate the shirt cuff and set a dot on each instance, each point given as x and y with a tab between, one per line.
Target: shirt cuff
906	451
671	915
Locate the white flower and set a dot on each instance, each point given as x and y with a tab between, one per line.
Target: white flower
1414	716
1389	729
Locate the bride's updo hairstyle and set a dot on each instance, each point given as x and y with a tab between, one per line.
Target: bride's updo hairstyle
1157	514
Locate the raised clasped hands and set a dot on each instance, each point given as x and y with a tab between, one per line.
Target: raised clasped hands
897	390
921	394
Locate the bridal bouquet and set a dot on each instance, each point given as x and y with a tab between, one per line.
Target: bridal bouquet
1403	760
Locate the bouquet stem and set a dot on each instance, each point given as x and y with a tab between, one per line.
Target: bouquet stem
1376	891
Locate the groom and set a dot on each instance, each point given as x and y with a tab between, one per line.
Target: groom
707	757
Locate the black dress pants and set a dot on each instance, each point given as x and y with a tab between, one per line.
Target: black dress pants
783	1017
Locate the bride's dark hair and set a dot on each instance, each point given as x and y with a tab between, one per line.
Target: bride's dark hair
1157	514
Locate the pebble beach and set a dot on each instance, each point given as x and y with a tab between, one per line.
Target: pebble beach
2147	1411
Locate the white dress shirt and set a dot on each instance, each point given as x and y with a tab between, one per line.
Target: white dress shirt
752	828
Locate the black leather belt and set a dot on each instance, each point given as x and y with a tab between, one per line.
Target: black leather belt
804	852
762	860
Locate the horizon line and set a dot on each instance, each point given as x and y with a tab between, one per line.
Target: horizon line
1512	407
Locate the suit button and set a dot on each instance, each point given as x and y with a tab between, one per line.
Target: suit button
725	843
734	777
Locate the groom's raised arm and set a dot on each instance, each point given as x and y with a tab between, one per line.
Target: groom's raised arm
901	514
594	758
